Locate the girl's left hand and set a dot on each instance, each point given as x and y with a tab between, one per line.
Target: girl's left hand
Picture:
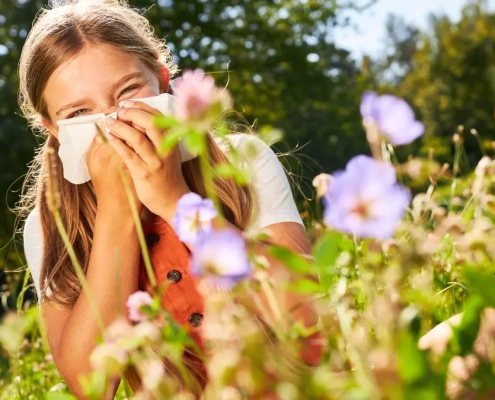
157	178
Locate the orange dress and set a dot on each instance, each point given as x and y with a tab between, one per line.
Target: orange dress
181	299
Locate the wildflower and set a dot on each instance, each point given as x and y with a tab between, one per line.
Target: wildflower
12	331
392	116
119	329
193	217
322	183
109	358
152	373
147	331
365	199
135	302
221	256
196	95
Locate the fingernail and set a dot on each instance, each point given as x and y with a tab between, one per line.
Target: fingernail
109	121
128	104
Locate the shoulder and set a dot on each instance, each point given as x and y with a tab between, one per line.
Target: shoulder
248	146
271	192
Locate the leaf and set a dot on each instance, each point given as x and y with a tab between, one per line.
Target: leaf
483	284
166	121
327	251
305	286
294	262
195	142
413	365
170	140
466	332
225	170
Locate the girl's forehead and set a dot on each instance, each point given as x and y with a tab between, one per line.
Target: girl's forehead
94	66
92	71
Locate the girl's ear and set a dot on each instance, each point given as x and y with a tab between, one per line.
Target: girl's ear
165	79
49	127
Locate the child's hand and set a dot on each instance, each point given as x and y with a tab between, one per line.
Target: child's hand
158	179
104	165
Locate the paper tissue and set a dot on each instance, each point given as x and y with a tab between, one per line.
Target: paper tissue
76	137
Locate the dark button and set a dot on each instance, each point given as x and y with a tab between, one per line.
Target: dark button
196	319
152	239
174	276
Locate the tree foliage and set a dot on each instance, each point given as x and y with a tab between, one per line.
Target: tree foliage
451	82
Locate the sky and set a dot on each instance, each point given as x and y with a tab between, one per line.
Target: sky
368	31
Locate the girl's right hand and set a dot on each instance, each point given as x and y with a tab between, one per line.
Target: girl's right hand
106	169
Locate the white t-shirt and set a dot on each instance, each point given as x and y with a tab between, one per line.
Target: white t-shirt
271	192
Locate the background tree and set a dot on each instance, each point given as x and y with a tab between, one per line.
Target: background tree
451	82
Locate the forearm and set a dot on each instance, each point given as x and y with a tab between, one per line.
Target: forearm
277	305
112	275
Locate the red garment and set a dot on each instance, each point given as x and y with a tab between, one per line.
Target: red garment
181	299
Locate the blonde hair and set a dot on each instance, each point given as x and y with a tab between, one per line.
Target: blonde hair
57	36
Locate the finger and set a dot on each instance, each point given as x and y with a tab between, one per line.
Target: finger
143	118
133	162
140	106
135	139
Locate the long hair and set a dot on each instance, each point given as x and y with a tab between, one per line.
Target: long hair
57	36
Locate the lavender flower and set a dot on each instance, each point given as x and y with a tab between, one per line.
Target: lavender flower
365	199
193	217
221	256
393	117
134	304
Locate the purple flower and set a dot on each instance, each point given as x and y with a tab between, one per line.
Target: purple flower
193	217
365	199
393	117
134	304
221	256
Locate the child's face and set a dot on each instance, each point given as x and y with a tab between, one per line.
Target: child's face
96	81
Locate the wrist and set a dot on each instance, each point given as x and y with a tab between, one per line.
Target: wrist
167	211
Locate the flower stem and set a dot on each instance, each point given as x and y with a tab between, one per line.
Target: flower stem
77	266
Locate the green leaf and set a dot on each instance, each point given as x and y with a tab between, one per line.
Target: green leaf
225	170
326	252
482	284
413	365
466	332
195	142
170	140
166	121
294	262
305	286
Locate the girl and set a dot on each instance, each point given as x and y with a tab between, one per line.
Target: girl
85	58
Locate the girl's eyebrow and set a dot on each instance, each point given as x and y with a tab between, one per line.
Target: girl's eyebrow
124	79
72	105
113	88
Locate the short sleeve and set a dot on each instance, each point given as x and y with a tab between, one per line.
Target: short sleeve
33	247
272	194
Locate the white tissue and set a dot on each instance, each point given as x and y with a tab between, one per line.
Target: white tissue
76	137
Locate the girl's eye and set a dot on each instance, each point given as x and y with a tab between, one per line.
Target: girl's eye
77	113
129	88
